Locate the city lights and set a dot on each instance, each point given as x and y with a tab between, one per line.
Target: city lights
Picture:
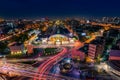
59	40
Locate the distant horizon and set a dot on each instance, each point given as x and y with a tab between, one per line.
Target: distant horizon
55	8
72	16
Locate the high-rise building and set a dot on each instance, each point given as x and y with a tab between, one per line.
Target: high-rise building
96	48
105	19
92	51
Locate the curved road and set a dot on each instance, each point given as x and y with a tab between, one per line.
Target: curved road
50	62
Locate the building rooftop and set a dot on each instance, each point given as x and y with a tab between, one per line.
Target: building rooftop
17	44
97	41
84	48
115	53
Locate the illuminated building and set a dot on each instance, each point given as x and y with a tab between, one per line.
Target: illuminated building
96	48
30	49
57	35
17	49
34	32
114	55
56	39
44	40
115	52
10	24
1	19
59	39
79	55
99	33
92	51
54	36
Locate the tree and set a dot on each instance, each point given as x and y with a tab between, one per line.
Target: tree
3	47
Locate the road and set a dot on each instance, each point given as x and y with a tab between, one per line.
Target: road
114	67
45	67
8	37
26	71
70	30
24	60
93	37
109	70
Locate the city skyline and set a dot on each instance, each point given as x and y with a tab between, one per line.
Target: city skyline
57	49
53	8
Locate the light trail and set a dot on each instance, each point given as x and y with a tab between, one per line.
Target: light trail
28	73
42	69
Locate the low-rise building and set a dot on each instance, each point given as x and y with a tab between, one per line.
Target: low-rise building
17	48
115	52
114	55
79	55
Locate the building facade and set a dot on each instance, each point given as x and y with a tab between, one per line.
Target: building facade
114	55
17	49
96	48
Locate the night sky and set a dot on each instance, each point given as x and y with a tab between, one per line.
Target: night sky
41	8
